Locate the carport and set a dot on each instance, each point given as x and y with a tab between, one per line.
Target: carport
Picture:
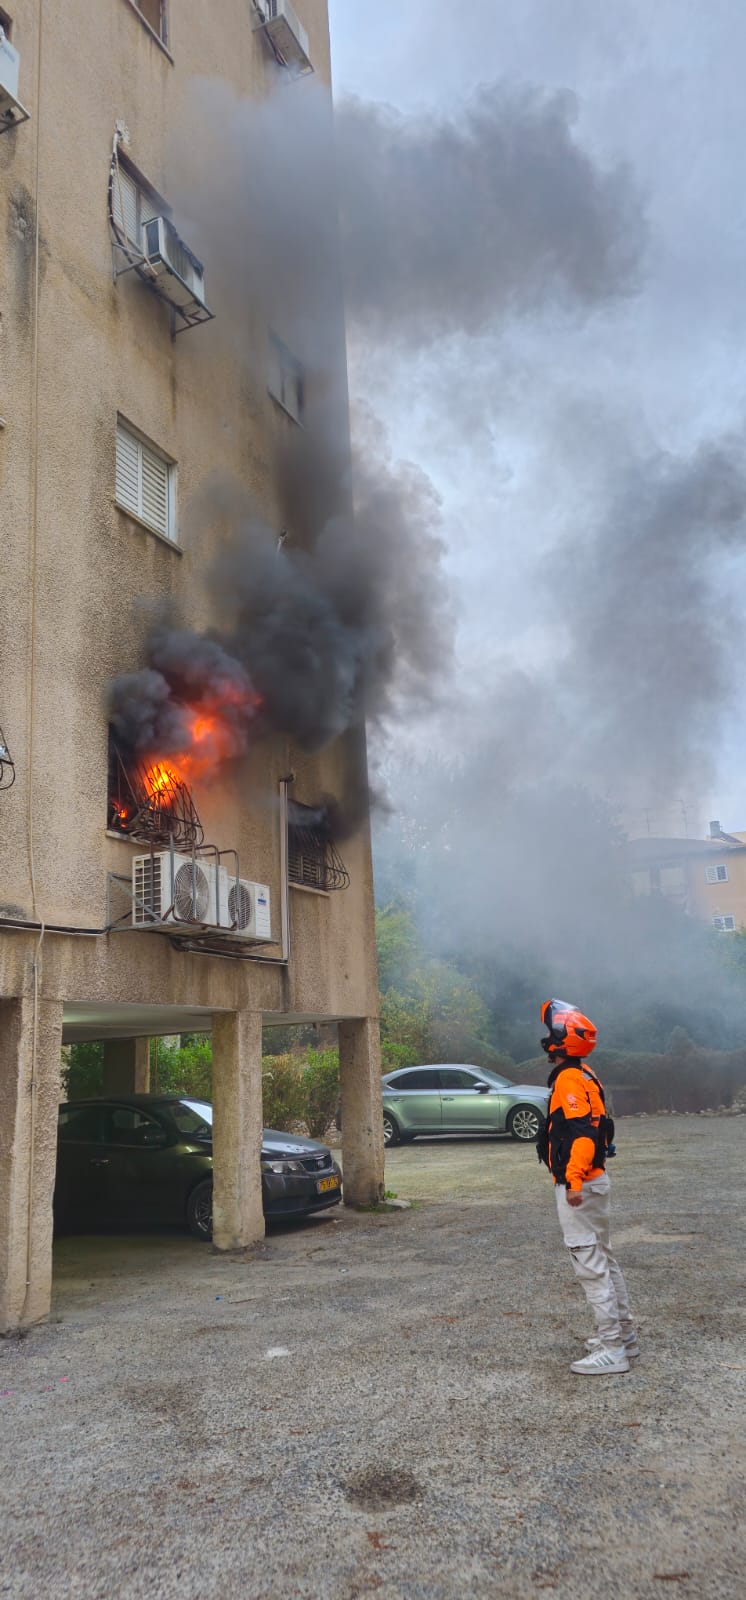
32	1031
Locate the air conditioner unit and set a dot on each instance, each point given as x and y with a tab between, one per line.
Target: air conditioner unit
244	907
168	889
174	272
11	110
288	35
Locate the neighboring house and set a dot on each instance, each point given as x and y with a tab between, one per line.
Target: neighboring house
109	429
706	877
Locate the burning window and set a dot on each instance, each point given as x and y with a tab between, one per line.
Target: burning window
150	803
313	861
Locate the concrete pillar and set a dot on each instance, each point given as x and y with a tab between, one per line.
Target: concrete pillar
30	1091
126	1066
362	1111
237	1215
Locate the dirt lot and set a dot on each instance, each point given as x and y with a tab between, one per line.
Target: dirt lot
383	1404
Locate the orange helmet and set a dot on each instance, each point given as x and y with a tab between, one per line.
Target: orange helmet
570	1033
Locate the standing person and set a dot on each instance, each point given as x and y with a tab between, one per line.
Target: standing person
575	1143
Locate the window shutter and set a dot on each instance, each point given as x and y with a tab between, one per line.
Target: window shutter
154	491
128	470
125	204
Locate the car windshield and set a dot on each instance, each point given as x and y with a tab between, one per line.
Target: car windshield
191	1116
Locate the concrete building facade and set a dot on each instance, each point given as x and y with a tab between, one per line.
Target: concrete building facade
90	363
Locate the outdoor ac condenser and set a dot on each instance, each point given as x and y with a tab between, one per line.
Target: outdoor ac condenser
170	889
11	110
288	35
244	907
176	273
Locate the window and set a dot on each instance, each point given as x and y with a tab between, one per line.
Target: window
145	481
81	1124
286	379
313	862
717	874
458	1078
132	203
724	924
127	1125
155	13
428	1080
673	882
641	881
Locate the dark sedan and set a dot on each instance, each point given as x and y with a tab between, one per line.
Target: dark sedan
145	1158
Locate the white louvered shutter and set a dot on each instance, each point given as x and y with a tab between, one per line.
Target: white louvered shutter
154	491
125	197
128	470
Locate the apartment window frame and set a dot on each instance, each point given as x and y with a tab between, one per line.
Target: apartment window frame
135	506
725	922
314	864
287	379
148	202
717	874
160	35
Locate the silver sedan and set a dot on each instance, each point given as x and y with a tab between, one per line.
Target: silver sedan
457	1098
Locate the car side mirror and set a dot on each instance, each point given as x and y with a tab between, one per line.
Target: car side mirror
482	1088
153	1138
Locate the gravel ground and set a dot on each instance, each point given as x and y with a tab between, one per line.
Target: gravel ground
383	1403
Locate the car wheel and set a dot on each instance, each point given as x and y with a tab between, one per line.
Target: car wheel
199	1210
390	1131
525	1123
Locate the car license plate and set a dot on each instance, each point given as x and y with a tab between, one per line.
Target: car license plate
327	1183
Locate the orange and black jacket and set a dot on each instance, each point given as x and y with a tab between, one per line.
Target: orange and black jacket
578	1130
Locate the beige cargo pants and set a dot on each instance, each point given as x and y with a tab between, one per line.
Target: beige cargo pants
585	1230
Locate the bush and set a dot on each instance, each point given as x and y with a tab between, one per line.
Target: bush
184	1068
682	1078
283	1098
82	1070
320	1090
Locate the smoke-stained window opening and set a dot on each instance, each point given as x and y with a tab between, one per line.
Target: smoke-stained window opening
149	803
313	861
286	381
7	765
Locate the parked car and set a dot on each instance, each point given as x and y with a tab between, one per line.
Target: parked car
136	1158
457	1098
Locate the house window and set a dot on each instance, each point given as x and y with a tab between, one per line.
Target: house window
313	862
717	874
145	481
724	924
672	882
155	13
132	204
286	379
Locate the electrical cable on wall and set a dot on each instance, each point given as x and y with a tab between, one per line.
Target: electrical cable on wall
7	764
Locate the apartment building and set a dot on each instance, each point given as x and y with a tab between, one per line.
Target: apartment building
122	386
706	877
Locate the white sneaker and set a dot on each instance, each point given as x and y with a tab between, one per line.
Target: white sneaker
601	1361
631	1347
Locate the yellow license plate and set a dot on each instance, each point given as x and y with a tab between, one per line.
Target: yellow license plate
327	1183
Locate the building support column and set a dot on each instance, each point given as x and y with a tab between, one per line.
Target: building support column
126	1066
362	1112
237	1215
30	1089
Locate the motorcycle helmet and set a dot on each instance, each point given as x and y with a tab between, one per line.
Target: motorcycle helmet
570	1033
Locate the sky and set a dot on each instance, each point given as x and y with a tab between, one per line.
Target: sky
578	439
